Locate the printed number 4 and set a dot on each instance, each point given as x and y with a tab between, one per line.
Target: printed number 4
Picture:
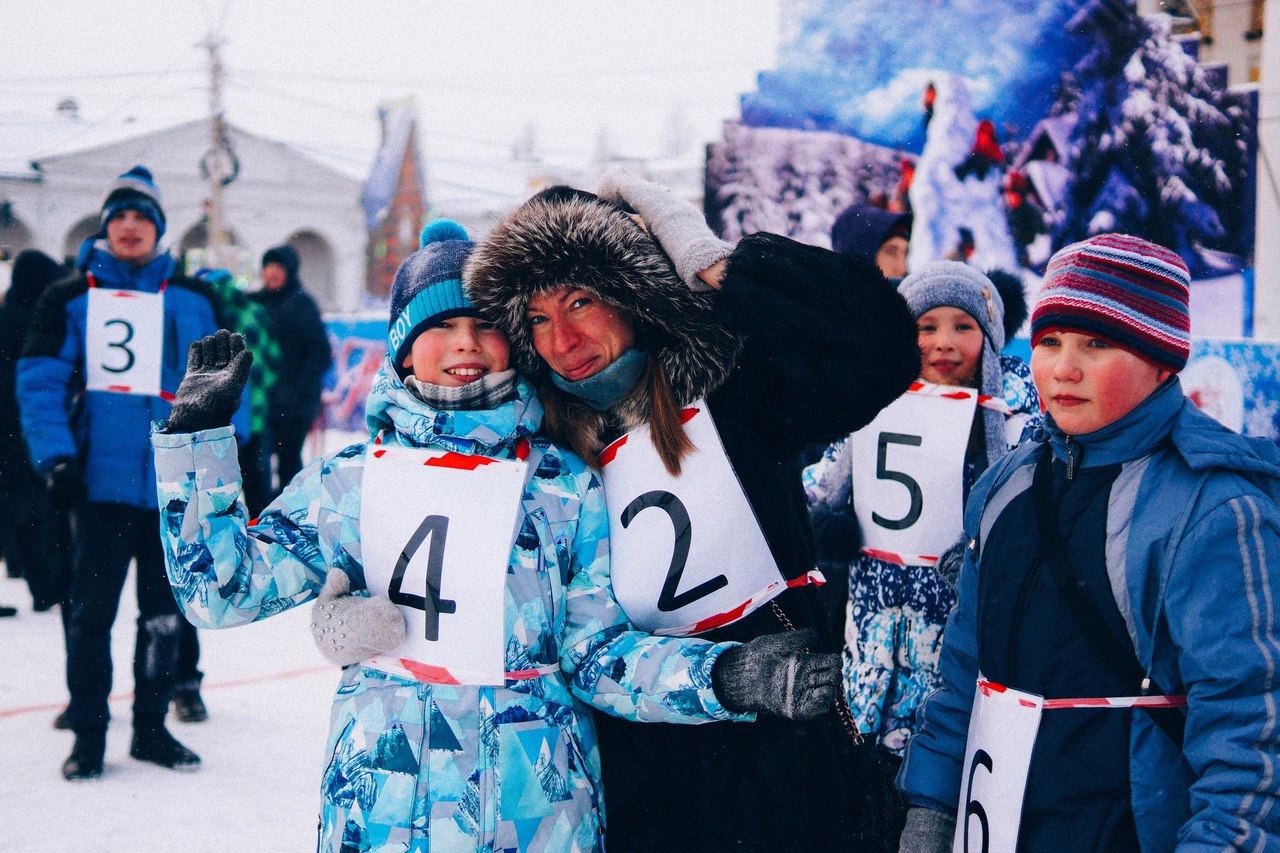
883	472
120	344
436	527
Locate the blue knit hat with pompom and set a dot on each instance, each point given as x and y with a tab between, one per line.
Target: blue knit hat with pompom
428	286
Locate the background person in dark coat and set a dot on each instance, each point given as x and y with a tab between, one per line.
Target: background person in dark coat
33	536
875	233
304	350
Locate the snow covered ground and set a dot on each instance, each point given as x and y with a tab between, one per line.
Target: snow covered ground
268	692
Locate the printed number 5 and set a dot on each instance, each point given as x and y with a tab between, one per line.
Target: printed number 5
120	344
884	473
437	527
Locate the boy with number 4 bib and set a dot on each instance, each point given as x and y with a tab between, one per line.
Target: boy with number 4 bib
465	734
1109	673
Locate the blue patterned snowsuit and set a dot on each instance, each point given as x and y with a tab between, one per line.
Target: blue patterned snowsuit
414	765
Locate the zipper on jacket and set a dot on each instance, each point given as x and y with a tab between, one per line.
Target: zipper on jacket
1071	463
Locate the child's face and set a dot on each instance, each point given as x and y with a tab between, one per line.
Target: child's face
458	351
950	345
1087	382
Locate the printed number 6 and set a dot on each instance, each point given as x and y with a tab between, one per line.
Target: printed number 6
437	527
128	353
670	504
974	808
884	473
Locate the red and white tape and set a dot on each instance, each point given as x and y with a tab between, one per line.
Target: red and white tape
752	604
1095	702
951	392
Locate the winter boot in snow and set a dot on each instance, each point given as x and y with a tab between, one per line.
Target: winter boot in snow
154	743
188	707
62	722
85	761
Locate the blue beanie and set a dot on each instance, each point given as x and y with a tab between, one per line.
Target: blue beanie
134	190
428	286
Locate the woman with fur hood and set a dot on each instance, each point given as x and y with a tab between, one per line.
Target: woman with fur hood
695	372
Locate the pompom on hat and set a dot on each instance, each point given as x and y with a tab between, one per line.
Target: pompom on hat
134	190
1127	290
428	286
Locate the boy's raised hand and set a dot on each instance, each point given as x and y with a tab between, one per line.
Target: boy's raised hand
217	370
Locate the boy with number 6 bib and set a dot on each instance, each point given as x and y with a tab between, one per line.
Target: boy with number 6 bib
1109	673
463	732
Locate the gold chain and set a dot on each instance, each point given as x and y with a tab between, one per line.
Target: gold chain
842	708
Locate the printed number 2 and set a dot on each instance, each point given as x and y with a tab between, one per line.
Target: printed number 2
120	344
974	808
885	473
436	527
670	504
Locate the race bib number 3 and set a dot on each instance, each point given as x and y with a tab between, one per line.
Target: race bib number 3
435	534
997	758
124	341
687	553
908	474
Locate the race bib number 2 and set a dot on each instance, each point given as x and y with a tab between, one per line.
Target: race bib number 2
124	341
435	534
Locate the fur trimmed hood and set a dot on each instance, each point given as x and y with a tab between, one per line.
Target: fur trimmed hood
565	236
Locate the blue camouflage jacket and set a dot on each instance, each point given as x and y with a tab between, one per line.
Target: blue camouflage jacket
415	765
1192	533
106	431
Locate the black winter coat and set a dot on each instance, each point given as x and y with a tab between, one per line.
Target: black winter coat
305	355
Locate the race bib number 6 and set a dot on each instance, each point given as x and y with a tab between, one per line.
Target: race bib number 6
124	341
435	535
908	474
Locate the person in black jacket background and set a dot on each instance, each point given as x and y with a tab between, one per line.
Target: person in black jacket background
304	349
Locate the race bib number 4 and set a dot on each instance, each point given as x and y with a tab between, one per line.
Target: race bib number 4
435	535
997	758
687	552
908	474
124	341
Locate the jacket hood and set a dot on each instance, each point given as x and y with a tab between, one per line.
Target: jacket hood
563	237
1168	416
394	408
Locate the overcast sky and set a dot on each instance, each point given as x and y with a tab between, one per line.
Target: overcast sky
482	72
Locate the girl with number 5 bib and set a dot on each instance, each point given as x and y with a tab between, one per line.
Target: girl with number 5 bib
899	592
462	731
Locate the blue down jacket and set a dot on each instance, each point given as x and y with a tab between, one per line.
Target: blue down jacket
1192	537
413	765
107	432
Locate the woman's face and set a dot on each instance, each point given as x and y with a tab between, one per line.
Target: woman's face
458	351
950	342
577	334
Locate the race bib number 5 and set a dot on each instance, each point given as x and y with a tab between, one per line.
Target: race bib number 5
435	535
908	474
124	341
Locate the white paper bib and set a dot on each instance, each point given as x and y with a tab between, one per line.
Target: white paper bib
436	531
124	341
687	552
908	474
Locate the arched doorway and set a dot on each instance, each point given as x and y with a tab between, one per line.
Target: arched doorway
81	231
14	235
317	267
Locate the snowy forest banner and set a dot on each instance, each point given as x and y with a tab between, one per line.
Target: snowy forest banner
1009	128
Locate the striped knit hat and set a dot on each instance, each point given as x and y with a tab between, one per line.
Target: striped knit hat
428	286
1125	289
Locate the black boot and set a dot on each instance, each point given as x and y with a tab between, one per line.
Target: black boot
62	722
85	761
188	707
155	744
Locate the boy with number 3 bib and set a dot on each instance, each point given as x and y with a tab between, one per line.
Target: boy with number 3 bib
465	734
1109	674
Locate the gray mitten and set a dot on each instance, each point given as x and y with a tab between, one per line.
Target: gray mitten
927	831
217	370
776	675
678	226
350	628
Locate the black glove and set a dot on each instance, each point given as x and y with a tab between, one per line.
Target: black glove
65	483
217	370
776	675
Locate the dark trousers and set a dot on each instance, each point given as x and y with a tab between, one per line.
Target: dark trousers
106	537
255	473
38	544
287	436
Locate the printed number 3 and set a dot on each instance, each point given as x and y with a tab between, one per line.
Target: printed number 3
885	473
436	527
669	599
120	345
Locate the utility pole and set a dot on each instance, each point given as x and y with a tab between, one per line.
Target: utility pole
216	162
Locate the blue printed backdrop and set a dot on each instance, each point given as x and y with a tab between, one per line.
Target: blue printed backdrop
860	67
359	343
